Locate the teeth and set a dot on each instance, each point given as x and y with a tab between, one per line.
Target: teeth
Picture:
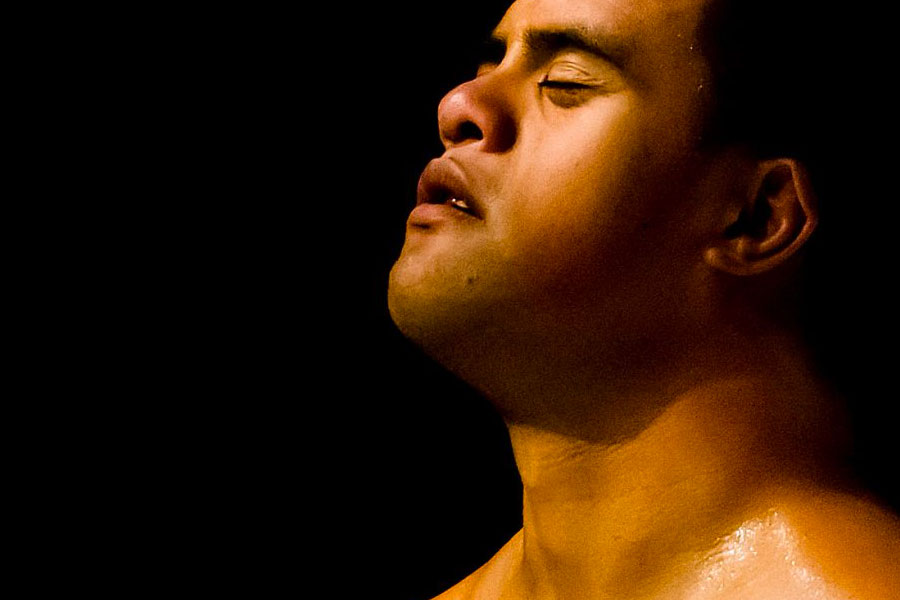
459	203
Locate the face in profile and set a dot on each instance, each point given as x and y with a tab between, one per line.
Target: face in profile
571	200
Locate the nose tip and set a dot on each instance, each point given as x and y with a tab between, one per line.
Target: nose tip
476	112
455	119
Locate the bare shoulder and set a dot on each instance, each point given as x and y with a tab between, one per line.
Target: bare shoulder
854	541
487	583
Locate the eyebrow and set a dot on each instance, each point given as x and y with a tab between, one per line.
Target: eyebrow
541	43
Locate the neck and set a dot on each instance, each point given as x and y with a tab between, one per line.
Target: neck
609	517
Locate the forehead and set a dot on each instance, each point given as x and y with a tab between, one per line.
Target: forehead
641	17
655	33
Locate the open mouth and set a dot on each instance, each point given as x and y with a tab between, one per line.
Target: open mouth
445	196
461	205
441	183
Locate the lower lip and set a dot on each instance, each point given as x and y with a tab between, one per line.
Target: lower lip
428	214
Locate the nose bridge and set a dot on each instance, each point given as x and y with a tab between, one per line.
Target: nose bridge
481	110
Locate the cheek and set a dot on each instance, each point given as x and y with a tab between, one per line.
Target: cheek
573	209
588	172
588	208
566	252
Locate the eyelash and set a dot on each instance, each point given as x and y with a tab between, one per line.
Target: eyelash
562	85
568	94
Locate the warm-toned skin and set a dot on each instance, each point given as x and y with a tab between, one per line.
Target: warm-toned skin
671	434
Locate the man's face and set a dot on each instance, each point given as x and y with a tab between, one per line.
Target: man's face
592	199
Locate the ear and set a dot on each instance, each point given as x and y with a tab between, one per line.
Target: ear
780	214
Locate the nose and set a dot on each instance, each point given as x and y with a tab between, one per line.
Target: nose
478	111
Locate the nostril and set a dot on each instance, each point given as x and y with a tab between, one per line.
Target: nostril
479	111
469	131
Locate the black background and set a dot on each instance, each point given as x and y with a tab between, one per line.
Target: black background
293	436
432	469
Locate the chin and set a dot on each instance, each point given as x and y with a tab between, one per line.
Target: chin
412	304
431	311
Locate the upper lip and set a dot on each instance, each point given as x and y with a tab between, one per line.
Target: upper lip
442	180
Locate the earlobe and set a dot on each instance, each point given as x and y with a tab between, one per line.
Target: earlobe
780	214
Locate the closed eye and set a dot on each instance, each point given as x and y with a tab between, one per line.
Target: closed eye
567	94
565	85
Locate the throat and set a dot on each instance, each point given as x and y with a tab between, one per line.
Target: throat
623	518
